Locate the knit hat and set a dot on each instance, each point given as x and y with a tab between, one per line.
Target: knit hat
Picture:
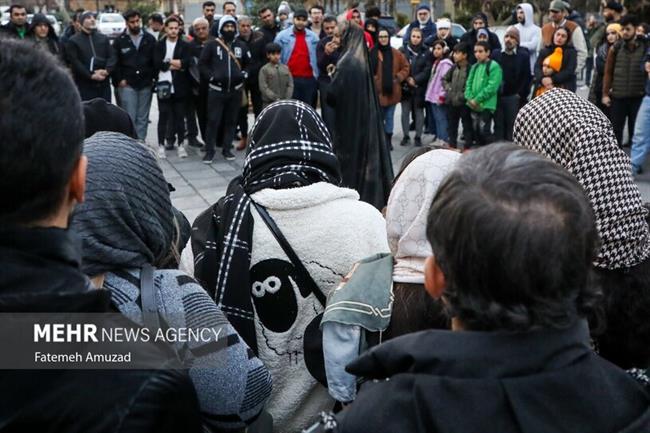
557	6
482	32
443	23
284	8
408	209
513	32
555	59
615	27
615	6
126	218
423	6
576	134
104	116
86	15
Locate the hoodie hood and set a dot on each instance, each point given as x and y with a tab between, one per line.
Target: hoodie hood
528	13
42	19
227	19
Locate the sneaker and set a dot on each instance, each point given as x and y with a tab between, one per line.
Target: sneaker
194	142
161	152
418	142
182	153
406	141
208	157
227	155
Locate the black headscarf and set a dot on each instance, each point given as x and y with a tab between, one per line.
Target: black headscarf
104	116
360	140
372	22
386	64
290	147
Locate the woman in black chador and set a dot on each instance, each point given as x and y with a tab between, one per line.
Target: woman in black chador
359	141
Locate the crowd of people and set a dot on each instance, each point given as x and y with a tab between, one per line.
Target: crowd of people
505	289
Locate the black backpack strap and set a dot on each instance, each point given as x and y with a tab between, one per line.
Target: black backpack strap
148	298
291	254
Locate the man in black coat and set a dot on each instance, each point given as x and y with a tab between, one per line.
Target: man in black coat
515	86
518	357
17	25
92	60
43	177
269	27
471	37
201	29
134	71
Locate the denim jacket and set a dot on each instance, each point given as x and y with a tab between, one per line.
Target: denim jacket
287	39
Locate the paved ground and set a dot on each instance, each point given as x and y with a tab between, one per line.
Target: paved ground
199	185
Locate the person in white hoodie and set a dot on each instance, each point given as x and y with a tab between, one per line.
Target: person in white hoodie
530	34
272	299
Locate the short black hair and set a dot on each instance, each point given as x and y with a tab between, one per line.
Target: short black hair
263	9
172	19
156	18
515	236
329	19
462	47
319	7
223	8
628	19
131	13
208	4
41	131
373	12
14	6
483	44
272	47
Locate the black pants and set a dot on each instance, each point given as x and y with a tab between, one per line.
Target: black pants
620	110
223	110
201	106
504	117
171	112
190	119
242	121
256	95
481	123
93	90
455	115
305	90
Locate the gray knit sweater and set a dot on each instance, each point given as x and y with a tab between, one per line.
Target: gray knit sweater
231	383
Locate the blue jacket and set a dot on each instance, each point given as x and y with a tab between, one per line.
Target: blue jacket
287	39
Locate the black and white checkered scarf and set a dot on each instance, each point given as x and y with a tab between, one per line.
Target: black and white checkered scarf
290	147
577	135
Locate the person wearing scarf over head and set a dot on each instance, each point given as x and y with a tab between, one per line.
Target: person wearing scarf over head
354	16
561	52
126	224
371	27
42	34
576	134
291	171
359	142
612	35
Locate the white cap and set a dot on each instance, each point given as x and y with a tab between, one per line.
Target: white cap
443	23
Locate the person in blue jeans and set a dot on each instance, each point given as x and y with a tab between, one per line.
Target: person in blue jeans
641	138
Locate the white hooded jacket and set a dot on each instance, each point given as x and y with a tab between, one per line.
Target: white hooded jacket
530	35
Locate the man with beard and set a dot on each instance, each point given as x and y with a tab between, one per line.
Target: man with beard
328	51
255	41
92	60
199	100
134	71
316	15
529	33
424	23
557	13
17	25
612	13
470	38
224	65
269	27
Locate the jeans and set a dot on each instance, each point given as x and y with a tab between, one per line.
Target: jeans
429	121
440	117
389	118
223	110
641	138
620	110
410	106
504	117
454	116
305	90
171	112
137	102
481	122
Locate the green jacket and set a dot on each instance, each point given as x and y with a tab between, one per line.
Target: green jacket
483	87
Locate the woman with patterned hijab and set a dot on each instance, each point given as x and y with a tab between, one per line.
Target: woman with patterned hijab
292	172
576	134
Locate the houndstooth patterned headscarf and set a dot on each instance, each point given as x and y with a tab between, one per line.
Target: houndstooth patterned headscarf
577	135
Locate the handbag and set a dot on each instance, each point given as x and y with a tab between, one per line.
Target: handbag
313	337
164	90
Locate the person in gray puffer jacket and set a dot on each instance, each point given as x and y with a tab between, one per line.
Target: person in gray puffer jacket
126	223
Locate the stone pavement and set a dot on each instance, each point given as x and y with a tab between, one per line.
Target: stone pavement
199	185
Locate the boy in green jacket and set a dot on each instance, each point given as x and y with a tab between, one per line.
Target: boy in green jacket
482	90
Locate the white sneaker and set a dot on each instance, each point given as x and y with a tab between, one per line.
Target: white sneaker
161	152
182	153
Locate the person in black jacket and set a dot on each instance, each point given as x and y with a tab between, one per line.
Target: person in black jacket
565	75
518	356
328	52
420	60
515	86
224	65
471	37
172	58
17	25
269	28
42	34
92	60
199	103
134	71
43	178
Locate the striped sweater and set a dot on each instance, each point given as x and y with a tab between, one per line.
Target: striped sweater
231	383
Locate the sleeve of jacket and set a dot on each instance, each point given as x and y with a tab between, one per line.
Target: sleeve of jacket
469	85
567	71
159	56
205	62
422	78
597	37
117	72
493	83
185	56
539	73
608	76
289	93
524	74
404	68
111	62
494	41
79	69
579	43
446	79
247	63
322	59
534	42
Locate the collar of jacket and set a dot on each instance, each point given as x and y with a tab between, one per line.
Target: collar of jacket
472	354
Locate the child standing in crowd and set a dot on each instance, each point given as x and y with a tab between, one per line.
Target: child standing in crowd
275	79
454	83
561	59
436	93
481	92
550	66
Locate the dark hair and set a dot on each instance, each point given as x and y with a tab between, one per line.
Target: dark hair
272	47
223	8
483	44
373	12
263	9
156	18
628	19
208	4
172	19
14	6
443	44
329	19
41	130
515	237
131	13
319	7
462	47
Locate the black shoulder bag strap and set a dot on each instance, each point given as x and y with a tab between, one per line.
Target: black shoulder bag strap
291	254
148	298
